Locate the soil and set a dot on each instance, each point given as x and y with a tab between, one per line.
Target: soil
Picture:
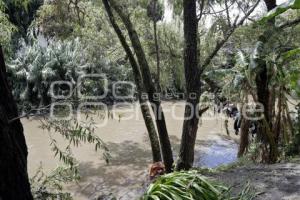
271	182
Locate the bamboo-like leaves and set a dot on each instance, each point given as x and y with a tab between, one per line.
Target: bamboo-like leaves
192	186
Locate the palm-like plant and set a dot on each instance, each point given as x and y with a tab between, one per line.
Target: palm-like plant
183	185
192	186
35	67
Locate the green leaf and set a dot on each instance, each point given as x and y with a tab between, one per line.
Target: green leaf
291	4
183	186
291	53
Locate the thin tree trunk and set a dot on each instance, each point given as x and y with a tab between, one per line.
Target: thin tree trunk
277	124
155	147
157	57
150	88
244	140
14	183
156	153
192	76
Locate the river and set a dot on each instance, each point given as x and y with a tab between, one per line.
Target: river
125	177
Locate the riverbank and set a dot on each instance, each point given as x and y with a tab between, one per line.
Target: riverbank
272	182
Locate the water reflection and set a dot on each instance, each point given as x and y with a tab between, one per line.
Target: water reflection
218	152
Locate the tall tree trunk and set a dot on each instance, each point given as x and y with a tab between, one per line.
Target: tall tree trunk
149	86
14	183
263	92
157	57
192	76
156	153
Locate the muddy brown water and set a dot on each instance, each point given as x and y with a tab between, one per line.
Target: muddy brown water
126	175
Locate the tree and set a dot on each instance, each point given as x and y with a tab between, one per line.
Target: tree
148	84
21	13
262	91
192	78
267	92
14	182
155	147
194	70
263	73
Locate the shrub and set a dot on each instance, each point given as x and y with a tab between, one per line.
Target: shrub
192	186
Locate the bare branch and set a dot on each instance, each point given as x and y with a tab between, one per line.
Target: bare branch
248	14
201	10
236	19
217	12
212	7
203	110
227	13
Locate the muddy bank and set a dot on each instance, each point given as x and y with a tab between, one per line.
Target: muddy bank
273	182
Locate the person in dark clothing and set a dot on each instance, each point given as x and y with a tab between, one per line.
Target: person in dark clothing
237	122
253	128
237	125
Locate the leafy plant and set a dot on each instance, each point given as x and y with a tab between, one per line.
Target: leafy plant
50	187
183	185
191	185
75	133
36	67
6	28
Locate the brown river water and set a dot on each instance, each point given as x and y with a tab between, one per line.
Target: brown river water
126	175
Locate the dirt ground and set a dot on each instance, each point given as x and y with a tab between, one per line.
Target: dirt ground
273	182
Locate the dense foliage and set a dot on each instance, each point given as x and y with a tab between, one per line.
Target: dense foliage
38	65
240	55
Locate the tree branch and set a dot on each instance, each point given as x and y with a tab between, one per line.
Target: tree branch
227	13
221	43
203	110
290	23
201	10
216	12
